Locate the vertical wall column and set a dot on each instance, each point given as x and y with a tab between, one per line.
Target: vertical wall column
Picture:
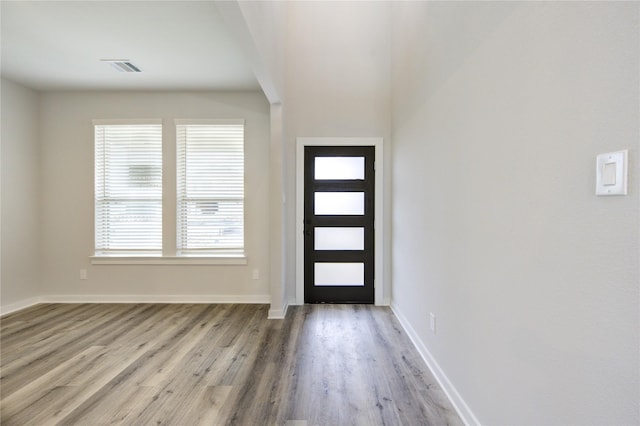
277	258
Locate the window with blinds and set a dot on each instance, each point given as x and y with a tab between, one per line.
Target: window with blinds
128	189
210	192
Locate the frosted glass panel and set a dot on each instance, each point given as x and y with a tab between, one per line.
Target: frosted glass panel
339	203
343	274
339	238
339	168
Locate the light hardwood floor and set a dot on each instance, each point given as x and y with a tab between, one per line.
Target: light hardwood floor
144	364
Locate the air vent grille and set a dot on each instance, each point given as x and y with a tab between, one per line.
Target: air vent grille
122	65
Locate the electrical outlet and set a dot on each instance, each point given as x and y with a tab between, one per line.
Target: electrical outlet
256	274
83	274
432	323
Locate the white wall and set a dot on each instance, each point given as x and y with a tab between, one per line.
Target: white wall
267	23
20	204
67	198
260	28
499	111
337	84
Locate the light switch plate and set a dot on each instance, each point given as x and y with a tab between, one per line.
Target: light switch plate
611	173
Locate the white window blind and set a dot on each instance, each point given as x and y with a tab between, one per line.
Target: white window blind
210	193
128	189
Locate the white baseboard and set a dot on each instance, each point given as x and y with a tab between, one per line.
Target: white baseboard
385	302
136	298
278	313
20	305
458	403
156	298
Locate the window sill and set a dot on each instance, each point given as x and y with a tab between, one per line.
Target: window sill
168	260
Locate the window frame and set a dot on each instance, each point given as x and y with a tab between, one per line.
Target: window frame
132	252
208	252
169	202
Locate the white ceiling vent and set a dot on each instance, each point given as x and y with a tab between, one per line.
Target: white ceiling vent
122	65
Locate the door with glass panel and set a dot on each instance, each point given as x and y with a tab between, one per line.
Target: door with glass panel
338	224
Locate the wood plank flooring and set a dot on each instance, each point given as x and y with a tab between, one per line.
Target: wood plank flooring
166	364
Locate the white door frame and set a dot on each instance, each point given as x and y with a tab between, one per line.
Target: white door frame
378	224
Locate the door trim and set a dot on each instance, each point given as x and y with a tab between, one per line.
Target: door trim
301	142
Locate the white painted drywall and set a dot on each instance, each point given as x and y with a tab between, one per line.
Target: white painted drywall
20	203
499	110
260	28
337	85
278	288
267	23
67	196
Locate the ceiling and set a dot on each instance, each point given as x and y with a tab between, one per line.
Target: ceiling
178	45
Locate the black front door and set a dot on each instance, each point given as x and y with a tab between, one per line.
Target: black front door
338	224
